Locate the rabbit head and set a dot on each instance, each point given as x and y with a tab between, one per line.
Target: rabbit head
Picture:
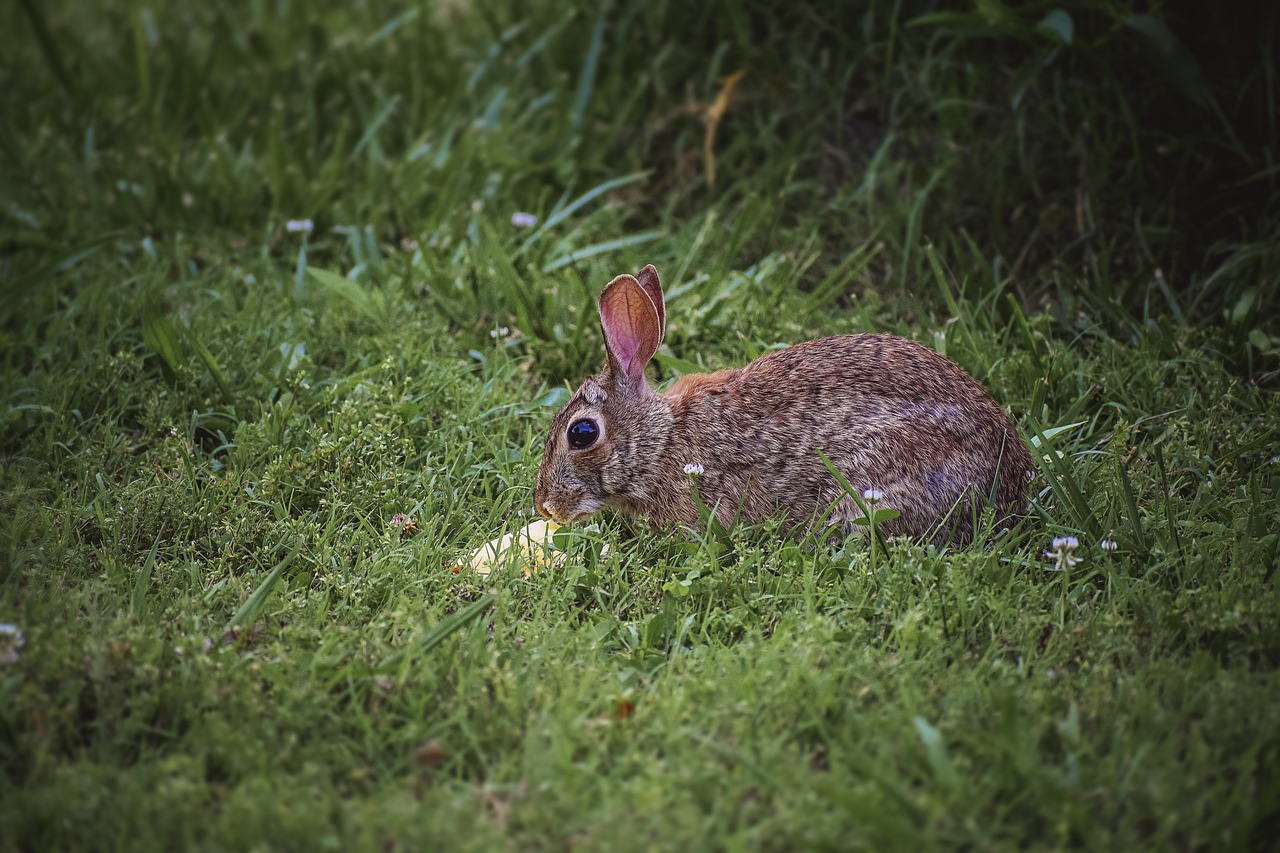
604	446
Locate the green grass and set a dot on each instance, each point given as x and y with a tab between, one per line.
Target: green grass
210	423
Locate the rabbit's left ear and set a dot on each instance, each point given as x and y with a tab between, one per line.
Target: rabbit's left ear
632	326
648	278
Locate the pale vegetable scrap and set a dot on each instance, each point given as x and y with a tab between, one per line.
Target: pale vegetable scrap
529	547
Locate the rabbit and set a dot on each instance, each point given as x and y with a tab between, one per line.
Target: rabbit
892	416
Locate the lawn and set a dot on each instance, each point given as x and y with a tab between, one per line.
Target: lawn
292	291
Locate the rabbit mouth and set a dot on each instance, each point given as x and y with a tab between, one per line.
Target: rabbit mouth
560	515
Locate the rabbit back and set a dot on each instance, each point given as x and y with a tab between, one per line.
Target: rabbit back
892	416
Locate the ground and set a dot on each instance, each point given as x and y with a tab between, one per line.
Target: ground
291	294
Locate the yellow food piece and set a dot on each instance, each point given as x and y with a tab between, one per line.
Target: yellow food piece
530	548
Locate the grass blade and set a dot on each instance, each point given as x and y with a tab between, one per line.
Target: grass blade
1131	505
1062	480
48	47
456	621
158	334
351	292
936	751
601	248
144	580
254	602
385	113
588	82
837	281
15	289
586	198
211	364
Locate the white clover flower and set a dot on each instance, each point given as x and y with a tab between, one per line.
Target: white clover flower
873	496
304	226
524	220
11	640
1108	545
1061	552
694	469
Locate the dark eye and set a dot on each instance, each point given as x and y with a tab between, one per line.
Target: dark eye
583	434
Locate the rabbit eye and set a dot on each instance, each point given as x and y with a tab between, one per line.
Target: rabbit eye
583	434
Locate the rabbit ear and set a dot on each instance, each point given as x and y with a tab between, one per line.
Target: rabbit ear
632	326
648	278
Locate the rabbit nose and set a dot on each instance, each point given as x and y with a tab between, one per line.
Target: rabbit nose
541	508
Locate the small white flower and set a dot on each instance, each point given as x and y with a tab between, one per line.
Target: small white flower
1061	552
873	496
524	220
1108	545
408	245
11	640
250	278
694	469
304	226
188	200
500	332
477	206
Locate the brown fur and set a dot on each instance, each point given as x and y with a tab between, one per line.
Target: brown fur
889	413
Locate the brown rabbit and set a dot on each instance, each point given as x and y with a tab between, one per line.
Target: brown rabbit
890	414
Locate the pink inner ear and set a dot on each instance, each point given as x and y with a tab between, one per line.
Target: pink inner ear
630	323
624	343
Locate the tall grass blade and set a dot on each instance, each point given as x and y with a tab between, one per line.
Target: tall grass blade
600	249
48	47
158	334
369	132
1057	471
1131	506
587	84
144	580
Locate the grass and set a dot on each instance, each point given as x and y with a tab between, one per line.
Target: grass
211	421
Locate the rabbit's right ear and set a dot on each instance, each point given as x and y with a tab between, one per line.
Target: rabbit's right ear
632	326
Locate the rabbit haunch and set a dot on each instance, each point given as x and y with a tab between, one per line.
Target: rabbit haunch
889	413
